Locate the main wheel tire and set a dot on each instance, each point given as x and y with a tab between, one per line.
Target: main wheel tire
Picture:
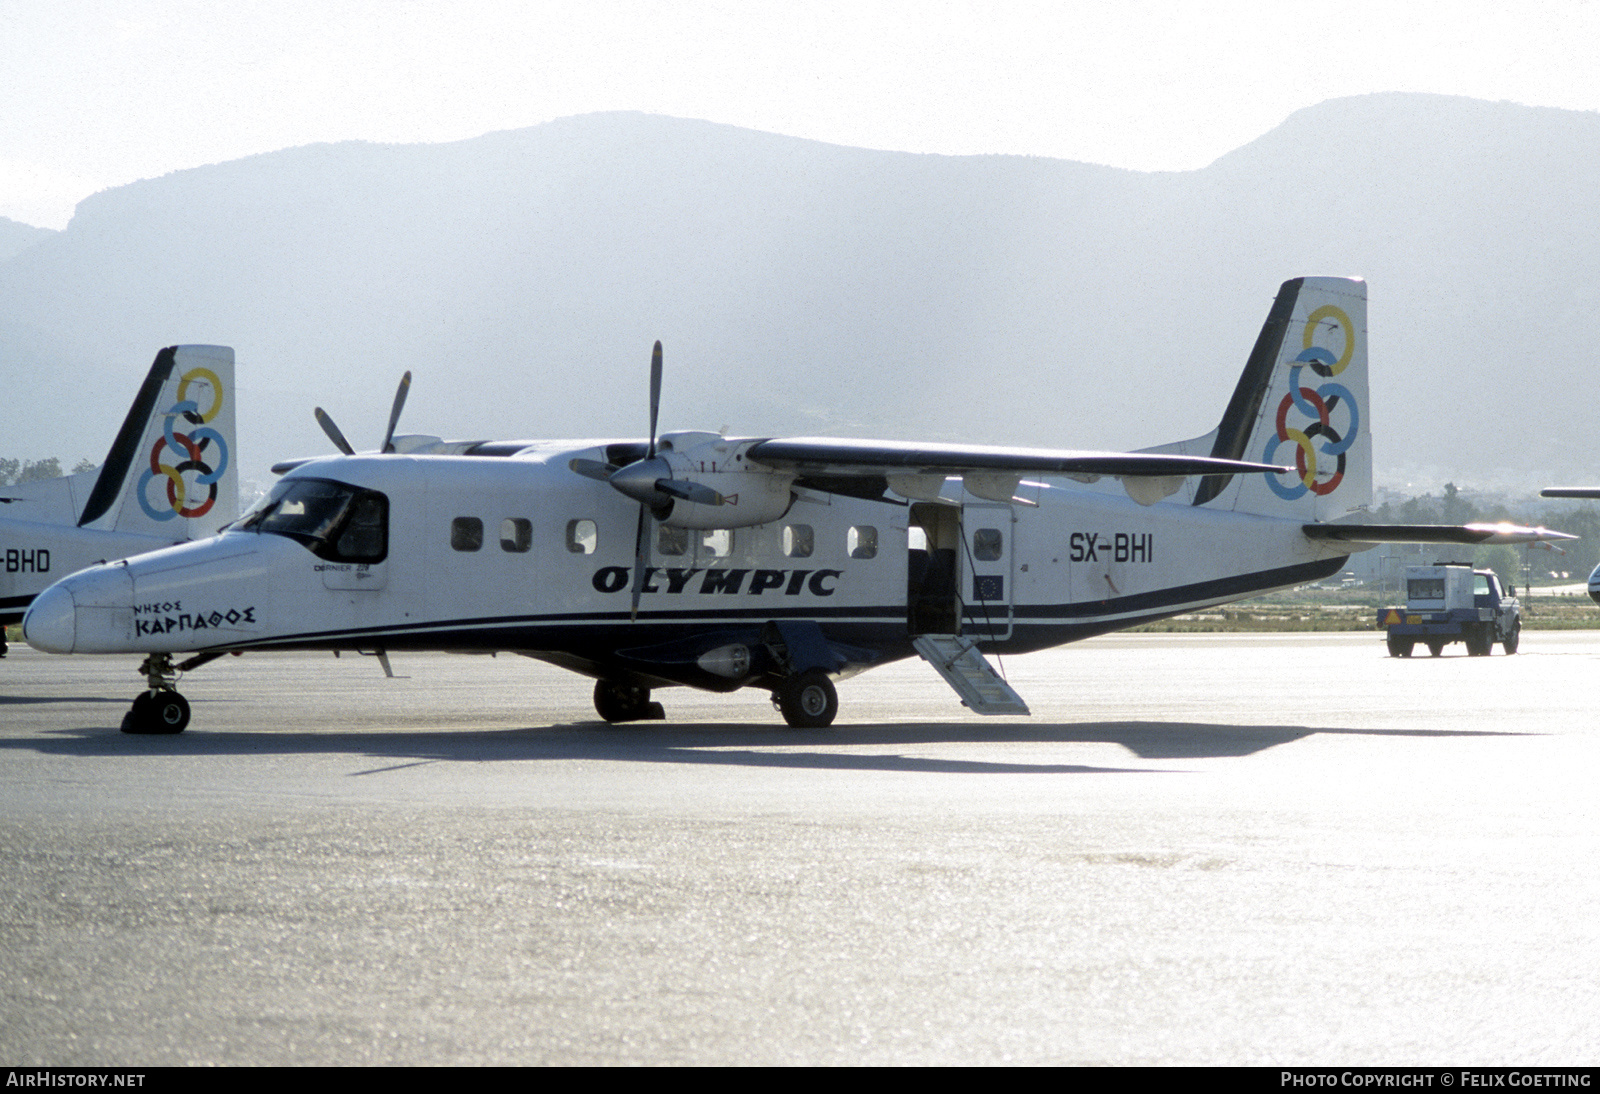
157	712
1400	646
619	702
808	701
1513	639
1479	641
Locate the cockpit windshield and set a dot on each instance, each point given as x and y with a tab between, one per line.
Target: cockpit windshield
336	521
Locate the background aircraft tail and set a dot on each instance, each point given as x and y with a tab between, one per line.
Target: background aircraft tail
173	469
1302	400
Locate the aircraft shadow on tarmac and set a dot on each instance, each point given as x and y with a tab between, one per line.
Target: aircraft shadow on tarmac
29	700
843	747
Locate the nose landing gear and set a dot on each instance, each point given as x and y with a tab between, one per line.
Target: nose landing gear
160	709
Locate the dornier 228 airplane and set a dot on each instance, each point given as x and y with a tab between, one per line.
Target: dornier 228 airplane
691	559
170	477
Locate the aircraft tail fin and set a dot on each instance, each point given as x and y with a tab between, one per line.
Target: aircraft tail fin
1301	400
172	470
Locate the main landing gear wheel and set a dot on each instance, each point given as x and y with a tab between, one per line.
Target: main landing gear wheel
157	712
617	702
807	701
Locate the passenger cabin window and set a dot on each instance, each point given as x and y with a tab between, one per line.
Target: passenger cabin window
863	541
582	537
466	534
987	544
672	541
333	520
718	542
516	535
799	541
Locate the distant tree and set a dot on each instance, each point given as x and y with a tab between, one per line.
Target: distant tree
1504	559
48	468
12	471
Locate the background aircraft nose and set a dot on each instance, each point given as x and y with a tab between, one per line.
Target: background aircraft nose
51	621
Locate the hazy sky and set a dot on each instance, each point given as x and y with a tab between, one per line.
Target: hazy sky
97	93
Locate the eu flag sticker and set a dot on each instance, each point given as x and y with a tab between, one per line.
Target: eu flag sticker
989	587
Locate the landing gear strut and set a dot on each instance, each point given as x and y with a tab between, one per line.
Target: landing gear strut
807	701
618	702
161	709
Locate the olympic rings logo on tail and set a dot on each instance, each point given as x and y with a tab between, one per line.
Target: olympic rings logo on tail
188	455
1317	407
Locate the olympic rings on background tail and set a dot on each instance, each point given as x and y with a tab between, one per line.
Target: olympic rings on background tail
188	456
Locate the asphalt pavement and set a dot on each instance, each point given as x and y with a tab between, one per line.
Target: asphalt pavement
1239	849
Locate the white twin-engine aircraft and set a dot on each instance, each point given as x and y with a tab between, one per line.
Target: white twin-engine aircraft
718	563
169	478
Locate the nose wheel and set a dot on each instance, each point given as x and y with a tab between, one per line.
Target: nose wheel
162	711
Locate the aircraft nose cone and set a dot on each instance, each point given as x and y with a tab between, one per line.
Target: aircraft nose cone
51	621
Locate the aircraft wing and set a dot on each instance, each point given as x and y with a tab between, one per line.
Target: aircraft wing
1501	532
866	468
832	456
1570	492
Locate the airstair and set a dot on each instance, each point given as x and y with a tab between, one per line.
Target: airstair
964	668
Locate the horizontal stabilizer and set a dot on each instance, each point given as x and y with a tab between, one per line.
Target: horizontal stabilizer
1501	532
1570	492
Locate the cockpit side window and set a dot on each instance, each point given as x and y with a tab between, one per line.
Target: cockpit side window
333	520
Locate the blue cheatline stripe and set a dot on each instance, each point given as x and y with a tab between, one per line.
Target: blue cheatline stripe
1039	625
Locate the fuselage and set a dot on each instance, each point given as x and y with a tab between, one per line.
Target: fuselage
520	554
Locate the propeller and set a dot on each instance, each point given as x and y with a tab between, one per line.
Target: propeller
649	482
325	420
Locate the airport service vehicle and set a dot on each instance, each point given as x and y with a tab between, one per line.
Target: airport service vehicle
692	559
171	477
1451	602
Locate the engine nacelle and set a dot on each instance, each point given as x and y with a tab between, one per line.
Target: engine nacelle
750	494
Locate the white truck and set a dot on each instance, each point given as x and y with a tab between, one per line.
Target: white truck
1451	602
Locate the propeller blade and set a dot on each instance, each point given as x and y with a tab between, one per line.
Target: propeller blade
655	397
594	469
394	414
690	491
333	432
641	558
